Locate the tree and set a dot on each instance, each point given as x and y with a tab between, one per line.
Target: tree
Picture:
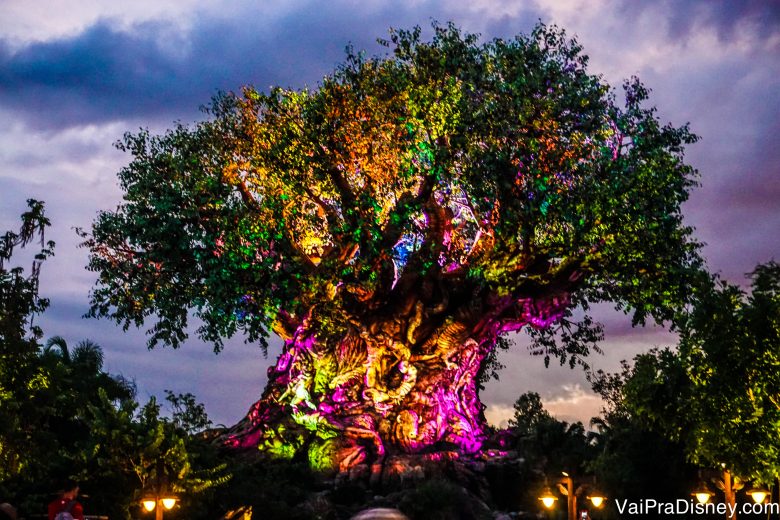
84	423
20	375
553	446
130	450
63	420
634	461
529	413
62	415
395	222
546	447
719	394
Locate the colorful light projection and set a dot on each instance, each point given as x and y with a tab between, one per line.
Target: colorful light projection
391	226
373	393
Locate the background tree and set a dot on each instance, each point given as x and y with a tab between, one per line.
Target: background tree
62	415
632	460
130	448
529	413
20	376
720	394
392	224
548	445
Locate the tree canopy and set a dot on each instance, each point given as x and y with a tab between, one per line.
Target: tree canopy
392	224
720	394
20	377
501	169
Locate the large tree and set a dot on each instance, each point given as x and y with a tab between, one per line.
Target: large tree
391	224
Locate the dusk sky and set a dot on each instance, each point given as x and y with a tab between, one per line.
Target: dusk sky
74	76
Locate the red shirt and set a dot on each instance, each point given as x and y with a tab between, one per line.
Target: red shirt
57	506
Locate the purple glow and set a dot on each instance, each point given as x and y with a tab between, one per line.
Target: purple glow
372	396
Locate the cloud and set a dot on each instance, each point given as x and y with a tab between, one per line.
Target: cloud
498	415
50	19
133	66
157	70
572	404
104	74
685	17
575	405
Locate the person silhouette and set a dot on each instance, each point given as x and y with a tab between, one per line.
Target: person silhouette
67	503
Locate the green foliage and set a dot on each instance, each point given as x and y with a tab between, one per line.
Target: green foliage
188	415
62	416
715	398
19	302
731	349
720	394
568	340
23	380
503	165
139	449
633	461
547	444
274	489
626	458
85	424
559	446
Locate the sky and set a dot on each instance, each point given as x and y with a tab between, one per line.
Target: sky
75	76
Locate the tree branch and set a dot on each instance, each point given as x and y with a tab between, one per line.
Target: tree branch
246	195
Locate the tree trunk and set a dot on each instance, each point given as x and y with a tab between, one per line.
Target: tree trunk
353	401
401	382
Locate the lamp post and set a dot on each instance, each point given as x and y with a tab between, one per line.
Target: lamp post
547	498
161	499
567	488
702	492
597	499
729	485
730	491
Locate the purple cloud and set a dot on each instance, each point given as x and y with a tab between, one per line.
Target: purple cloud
685	17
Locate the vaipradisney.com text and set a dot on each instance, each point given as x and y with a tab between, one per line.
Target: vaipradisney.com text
683	506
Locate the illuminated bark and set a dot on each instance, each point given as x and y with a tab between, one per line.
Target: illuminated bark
405	382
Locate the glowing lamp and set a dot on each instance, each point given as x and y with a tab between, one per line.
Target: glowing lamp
597	500
547	498
149	503
702	493
168	502
758	495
